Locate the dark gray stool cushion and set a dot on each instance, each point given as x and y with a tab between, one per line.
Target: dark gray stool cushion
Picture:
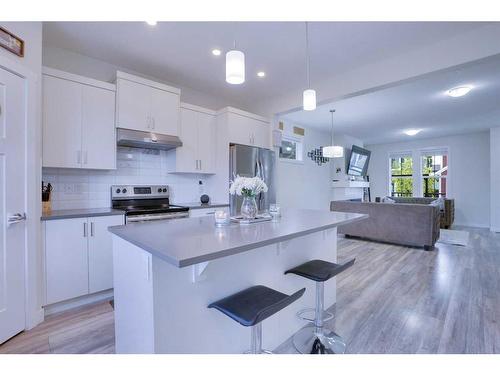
320	270
251	306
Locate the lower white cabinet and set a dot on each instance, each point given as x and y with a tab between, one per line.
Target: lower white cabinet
78	256
199	212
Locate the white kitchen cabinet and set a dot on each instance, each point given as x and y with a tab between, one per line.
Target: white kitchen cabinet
62	124
66	261
98	136
100	250
78	256
247	129
146	105
78	122
200	212
197	153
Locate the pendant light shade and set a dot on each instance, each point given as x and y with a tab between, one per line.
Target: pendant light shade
333	151
235	67
309	100
309	95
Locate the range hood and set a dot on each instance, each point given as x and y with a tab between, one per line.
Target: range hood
141	139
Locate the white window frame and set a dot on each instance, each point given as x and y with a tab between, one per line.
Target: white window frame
438	151
299	141
399	154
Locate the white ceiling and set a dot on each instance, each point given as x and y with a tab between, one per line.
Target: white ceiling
381	116
180	52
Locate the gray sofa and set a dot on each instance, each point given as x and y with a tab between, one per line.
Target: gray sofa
401	223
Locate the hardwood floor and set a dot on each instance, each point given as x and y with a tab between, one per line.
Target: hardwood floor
393	300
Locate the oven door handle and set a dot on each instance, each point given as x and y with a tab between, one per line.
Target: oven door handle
134	219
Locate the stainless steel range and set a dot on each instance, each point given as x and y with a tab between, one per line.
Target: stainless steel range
145	203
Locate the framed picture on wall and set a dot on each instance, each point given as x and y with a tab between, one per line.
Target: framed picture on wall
11	42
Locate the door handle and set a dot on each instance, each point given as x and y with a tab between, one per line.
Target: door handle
91	229
148	122
200	164
79	157
154	123
16	218
85	157
84	229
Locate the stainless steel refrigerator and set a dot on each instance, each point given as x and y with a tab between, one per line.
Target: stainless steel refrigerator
247	161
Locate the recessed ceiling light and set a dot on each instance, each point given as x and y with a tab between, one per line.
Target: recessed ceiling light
456	92
261	74
151	23
216	52
412	132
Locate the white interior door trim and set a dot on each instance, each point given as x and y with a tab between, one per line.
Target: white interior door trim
34	313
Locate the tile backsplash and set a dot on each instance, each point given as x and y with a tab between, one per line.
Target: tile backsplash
83	188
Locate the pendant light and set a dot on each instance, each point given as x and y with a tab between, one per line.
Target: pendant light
309	95
333	151
235	66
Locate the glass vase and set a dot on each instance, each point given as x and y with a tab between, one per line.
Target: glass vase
249	207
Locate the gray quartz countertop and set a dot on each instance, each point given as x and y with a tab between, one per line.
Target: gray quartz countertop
198	205
185	242
87	212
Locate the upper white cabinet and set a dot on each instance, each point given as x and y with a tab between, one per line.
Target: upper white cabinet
78	122
146	105
245	128
197	133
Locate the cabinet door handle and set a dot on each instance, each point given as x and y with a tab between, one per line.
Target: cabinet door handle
91	229
85	157
200	164
79	157
154	122
84	229
148	122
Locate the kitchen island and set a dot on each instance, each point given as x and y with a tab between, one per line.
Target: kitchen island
167	272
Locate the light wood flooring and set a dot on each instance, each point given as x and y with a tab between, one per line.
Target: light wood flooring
393	300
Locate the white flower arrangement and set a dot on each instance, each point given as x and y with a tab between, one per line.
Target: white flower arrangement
247	186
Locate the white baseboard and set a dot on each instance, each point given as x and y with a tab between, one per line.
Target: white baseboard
105	295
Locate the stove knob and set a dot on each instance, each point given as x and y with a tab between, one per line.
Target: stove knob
124	191
159	190
164	190
118	191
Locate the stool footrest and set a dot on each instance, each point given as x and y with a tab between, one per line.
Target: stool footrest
302	314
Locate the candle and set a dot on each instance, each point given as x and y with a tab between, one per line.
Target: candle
221	217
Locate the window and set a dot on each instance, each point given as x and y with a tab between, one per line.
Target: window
434	173
291	148
401	175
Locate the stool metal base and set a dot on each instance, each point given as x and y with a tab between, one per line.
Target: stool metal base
307	341
309	314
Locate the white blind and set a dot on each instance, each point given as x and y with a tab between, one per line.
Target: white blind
436	151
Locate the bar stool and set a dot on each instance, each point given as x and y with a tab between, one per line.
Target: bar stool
253	305
316	339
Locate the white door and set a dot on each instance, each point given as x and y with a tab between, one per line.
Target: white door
62	123
101	252
12	203
187	154
206	142
133	105
66	259
164	112
98	128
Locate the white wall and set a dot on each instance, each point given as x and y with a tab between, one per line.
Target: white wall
76	63
306	184
469	173
495	179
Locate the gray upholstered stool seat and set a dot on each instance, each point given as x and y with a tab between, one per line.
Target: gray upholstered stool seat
251	306
316	339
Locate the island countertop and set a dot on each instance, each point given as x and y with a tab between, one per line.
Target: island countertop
189	241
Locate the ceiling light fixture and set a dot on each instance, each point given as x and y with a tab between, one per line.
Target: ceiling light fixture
216	52
261	74
151	23
235	65
412	132
457	92
309	95
333	151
